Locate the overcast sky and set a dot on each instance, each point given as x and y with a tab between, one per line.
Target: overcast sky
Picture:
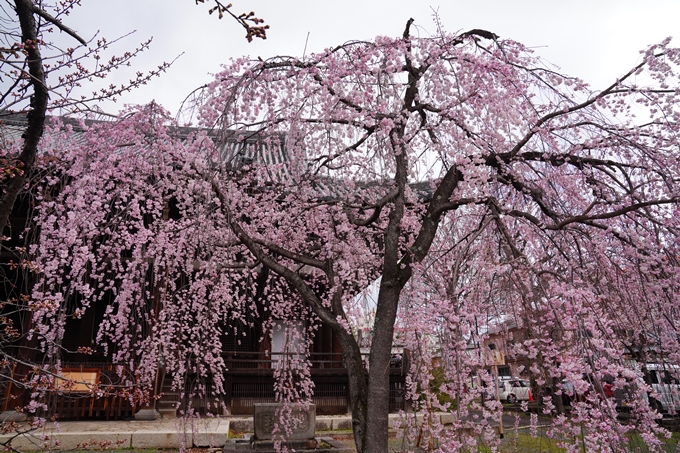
596	40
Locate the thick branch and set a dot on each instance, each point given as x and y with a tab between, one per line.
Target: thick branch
36	115
504	231
292	255
438	203
584	218
611	214
453	205
560	159
536	194
377	209
59	24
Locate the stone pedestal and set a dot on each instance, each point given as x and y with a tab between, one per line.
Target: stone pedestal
268	445
147	414
12	416
244	445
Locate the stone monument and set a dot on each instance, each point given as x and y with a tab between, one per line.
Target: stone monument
303	419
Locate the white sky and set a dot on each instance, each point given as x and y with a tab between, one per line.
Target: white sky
596	40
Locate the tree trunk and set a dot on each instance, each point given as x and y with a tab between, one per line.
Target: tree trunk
36	114
386	313
370	403
358	392
557	399
379	370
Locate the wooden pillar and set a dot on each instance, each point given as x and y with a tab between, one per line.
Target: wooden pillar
228	390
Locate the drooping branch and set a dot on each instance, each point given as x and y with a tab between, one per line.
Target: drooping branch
255	248
574	108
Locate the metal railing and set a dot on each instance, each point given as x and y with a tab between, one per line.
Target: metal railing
236	360
267	360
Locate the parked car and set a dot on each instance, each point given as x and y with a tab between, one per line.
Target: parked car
665	394
665	386
514	390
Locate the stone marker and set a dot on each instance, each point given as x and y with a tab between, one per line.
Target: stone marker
265	417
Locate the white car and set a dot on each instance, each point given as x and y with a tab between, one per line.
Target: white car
514	390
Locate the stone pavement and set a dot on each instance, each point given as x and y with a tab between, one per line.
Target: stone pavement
169	433
164	433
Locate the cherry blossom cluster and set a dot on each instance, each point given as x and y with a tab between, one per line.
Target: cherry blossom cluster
493	197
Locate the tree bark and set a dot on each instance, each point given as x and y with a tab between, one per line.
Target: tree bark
358	391
36	114
379	367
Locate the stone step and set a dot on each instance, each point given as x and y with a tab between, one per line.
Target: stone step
162	403
167	412
172	396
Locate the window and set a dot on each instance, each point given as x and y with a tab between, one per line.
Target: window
288	341
77	379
